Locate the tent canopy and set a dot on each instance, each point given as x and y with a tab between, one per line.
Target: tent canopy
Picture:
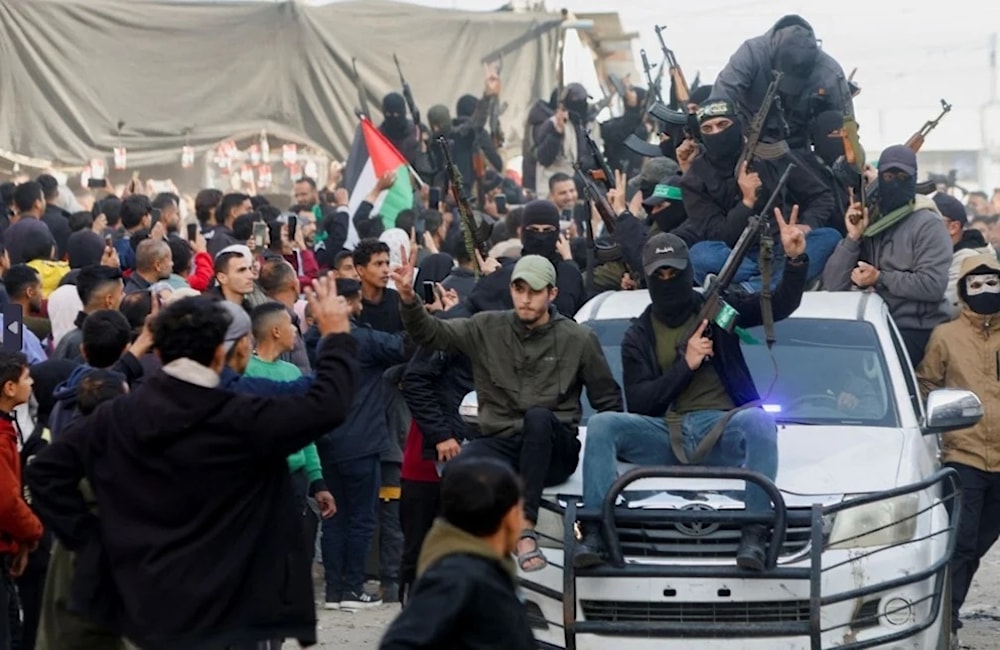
71	70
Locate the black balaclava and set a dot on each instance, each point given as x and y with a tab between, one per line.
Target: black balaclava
897	193
670	217
439	119
986	301
575	101
674	299
394	110
540	213
795	53
721	149
668	148
466	106
826	147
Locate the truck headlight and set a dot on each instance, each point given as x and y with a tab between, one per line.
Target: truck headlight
883	523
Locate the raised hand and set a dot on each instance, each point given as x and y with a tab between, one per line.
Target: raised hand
402	277
793	240
330	311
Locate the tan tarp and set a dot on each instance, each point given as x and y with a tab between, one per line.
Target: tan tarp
70	70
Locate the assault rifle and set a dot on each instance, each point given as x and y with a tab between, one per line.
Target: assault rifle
467	219
756	127
715	309
914	143
362	98
681	90
603	172
408	96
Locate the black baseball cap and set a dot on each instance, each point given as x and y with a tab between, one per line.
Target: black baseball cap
900	157
348	287
664	251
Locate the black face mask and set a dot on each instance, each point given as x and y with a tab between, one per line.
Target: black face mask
985	304
539	243
896	193
670	217
724	147
673	300
395	126
829	149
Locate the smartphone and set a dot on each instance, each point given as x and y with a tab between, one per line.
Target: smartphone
429	294
259	233
192	229
97	183
501	202
434	198
13	328
565	221
293	225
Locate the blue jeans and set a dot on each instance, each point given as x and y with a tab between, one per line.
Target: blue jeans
348	534
750	440
709	257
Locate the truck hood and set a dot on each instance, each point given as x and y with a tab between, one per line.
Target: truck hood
816	464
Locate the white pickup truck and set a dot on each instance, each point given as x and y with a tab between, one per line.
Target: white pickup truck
859	556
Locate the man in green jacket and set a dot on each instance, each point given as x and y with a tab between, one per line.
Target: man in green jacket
530	365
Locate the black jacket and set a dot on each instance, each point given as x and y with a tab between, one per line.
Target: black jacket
492	292
537	116
651	391
365	431
746	77
57	220
464	599
335	224
198	544
714	203
433	386
615	131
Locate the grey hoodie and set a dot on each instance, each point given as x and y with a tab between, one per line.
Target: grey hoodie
913	258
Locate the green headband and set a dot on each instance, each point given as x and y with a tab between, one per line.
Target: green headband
669	192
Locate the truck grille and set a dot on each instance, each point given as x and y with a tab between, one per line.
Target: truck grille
623	611
690	540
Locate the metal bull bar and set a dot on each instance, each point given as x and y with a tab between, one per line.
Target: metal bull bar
609	516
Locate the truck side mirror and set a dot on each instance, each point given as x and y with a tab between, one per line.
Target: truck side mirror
949	409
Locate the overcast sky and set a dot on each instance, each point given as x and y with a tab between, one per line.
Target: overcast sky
909	53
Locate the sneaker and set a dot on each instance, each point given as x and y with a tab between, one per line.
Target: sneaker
364	600
752	552
589	550
331	605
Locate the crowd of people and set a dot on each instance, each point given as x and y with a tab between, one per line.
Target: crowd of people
216	404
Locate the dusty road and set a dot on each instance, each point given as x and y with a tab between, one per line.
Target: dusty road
981	632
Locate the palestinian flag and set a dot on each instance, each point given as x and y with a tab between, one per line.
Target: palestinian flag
372	156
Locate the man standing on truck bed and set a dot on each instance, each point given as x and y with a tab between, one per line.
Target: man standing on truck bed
965	354
698	407
529	365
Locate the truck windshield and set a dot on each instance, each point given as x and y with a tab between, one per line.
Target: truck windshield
822	371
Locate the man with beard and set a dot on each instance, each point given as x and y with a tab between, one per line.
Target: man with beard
560	141
529	366
694	401
903	256
719	201
539	236
964	354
